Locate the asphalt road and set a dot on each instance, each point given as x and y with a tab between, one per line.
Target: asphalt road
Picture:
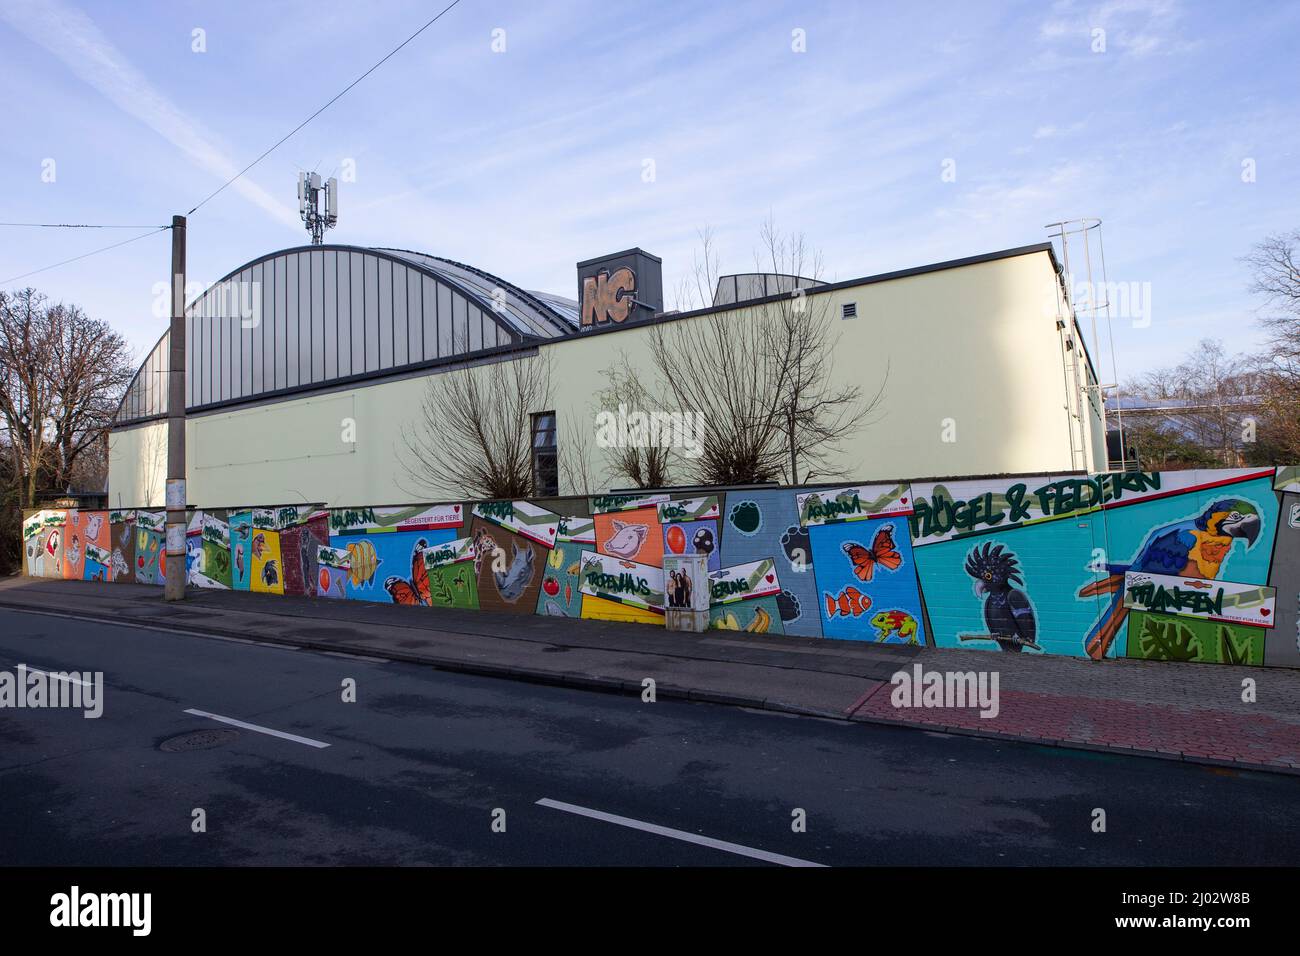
416	767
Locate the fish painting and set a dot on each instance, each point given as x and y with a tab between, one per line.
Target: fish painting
259	544
362	562
239	560
626	540
270	574
515	580
848	603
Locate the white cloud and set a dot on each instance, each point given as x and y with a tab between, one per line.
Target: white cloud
75	39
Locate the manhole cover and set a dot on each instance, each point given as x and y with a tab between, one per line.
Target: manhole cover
197	740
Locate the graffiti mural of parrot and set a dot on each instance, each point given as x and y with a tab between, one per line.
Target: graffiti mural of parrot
1008	614
1195	547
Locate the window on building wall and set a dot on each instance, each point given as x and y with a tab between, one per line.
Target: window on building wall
546	466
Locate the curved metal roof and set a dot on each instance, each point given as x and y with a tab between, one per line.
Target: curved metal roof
309	316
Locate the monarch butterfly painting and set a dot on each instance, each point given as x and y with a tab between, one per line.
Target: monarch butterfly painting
416	590
882	552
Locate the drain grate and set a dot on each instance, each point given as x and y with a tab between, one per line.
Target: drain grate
197	740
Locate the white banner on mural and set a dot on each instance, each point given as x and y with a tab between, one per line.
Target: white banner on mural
740	582
366	520
857	503
606	504
450	552
958	509
1252	604
637	585
522	517
576	530
688	509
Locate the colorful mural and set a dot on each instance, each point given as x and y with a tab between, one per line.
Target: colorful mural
633	535
508	567
298	543
769	528
451	574
150	553
208	550
865	572
1193	566
122	546
240	528
561	592
333	566
743	597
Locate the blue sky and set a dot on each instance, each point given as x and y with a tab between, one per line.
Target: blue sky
526	161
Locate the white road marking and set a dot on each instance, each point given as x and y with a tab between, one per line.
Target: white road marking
723	845
261	730
356	657
67	677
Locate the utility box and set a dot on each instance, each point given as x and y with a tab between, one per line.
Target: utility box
686	592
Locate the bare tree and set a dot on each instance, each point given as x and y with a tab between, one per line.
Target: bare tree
1194	414
89	369
575	454
1275	277
643	460
473	435
816	415
26	390
62	375
696	287
762	377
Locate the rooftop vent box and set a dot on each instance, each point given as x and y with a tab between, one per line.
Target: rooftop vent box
619	288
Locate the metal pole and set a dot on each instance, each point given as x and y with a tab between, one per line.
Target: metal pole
174	587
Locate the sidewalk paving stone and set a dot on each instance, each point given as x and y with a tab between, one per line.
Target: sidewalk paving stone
1192	712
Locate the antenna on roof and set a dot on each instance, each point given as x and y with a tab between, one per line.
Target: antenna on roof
309	197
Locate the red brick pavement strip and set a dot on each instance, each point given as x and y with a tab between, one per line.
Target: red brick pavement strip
1193	734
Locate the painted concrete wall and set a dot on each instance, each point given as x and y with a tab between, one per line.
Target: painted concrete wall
1192	566
979	382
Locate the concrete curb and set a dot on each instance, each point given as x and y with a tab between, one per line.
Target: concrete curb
528	675
613	685
1118	749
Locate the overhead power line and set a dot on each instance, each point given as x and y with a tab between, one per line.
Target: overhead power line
331	102
280	142
74	225
86	255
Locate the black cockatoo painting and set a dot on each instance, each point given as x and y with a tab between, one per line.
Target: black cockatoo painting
1007	612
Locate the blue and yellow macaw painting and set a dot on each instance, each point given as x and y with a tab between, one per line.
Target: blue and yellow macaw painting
1209	534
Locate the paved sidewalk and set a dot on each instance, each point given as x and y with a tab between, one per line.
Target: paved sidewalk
1191	712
